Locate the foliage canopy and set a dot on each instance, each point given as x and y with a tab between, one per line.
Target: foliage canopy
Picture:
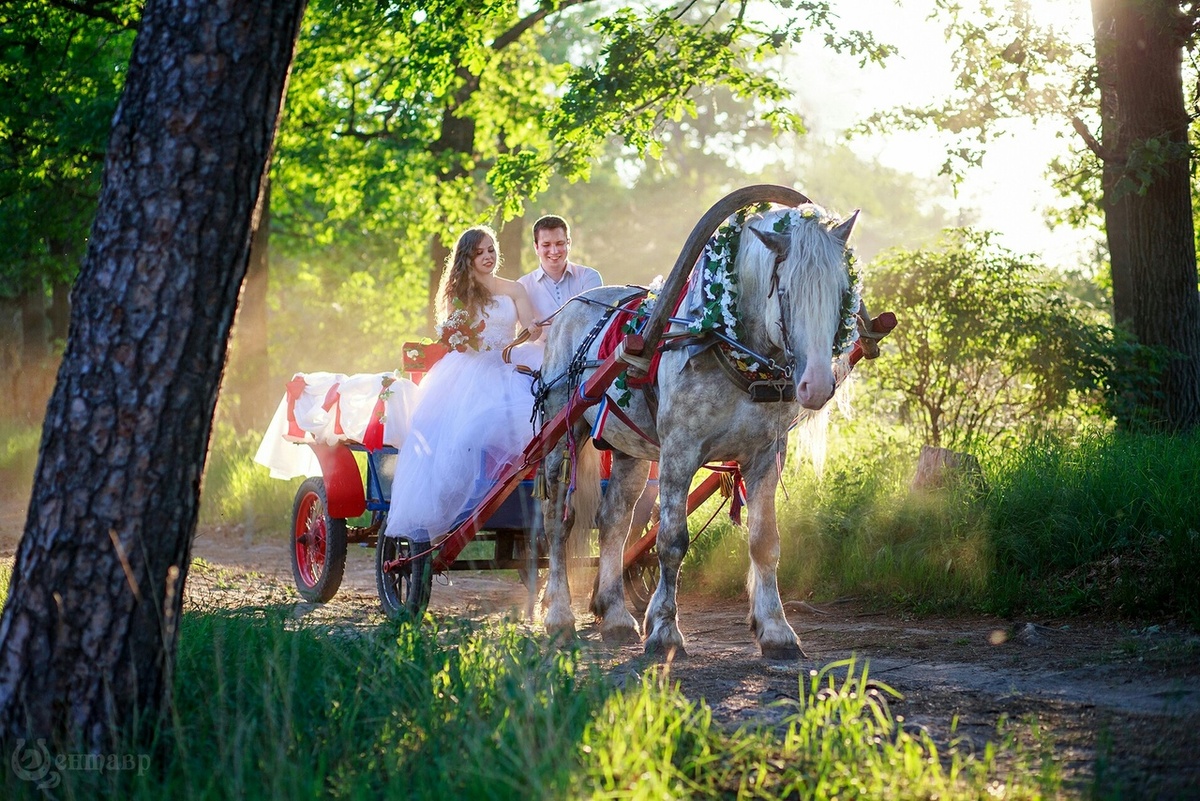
60	76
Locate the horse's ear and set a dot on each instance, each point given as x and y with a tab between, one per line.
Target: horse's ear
776	243
843	229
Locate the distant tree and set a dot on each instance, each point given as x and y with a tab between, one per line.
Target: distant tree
1126	101
990	346
60	76
88	632
409	120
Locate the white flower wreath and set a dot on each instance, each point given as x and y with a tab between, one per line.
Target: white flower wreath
720	281
720	290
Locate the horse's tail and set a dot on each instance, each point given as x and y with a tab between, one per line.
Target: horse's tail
585	500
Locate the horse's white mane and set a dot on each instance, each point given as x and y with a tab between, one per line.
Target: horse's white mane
814	274
816	280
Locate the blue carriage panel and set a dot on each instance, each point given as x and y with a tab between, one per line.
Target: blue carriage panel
381	468
519	510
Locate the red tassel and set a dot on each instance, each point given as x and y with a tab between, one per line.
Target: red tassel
373	437
331	400
295	388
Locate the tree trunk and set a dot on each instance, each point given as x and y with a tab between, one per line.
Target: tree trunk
31	389
60	311
35	344
1116	207
1148	193
88	633
455	142
10	346
512	246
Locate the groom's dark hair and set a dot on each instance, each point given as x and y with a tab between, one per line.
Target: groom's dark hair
549	222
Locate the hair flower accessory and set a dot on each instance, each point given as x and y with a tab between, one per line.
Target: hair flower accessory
457	333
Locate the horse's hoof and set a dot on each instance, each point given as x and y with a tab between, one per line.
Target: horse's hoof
621	635
561	635
666	651
789	652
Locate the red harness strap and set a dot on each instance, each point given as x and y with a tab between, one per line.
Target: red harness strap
614	333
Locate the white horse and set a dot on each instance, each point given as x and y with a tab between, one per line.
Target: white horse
795	305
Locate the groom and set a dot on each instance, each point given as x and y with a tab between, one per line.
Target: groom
555	281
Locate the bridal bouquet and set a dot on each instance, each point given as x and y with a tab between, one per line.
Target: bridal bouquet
457	333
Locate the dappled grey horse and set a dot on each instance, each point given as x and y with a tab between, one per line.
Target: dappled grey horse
778	284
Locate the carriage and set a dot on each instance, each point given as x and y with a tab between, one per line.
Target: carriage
509	514
355	486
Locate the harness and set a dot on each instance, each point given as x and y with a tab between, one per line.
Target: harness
764	377
579	361
771	382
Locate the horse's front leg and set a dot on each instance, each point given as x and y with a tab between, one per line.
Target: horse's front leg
625	486
674	481
559	619
775	636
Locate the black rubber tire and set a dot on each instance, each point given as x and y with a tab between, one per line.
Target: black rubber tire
318	544
404	593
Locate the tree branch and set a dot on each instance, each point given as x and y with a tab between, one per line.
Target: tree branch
514	33
1089	140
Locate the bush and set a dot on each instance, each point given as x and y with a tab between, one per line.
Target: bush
990	348
19	442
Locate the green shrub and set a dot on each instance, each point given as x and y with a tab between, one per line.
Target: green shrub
19	443
991	347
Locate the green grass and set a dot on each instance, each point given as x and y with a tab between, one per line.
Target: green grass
237	491
19	443
1108	524
268	708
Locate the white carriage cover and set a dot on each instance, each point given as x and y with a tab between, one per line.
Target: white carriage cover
372	409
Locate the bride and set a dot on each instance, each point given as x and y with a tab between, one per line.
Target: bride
472	410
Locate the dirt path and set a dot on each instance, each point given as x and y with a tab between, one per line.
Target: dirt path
1121	700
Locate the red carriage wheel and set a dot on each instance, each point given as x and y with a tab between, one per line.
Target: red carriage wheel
403	590
318	544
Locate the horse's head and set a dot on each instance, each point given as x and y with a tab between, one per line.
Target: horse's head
795	273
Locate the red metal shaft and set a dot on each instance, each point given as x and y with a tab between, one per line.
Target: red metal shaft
543	442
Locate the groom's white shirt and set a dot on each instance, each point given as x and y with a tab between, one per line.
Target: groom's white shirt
548	295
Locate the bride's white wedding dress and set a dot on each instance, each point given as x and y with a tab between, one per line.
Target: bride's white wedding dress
471	418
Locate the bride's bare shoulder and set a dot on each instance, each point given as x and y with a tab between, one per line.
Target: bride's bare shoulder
511	289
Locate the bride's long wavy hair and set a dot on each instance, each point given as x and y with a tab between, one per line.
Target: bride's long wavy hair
458	279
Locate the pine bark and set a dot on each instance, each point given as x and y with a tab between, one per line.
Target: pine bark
88	633
1147	192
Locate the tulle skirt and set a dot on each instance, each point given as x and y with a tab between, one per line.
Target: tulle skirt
471	419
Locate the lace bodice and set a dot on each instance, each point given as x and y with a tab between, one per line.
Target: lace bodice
500	324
